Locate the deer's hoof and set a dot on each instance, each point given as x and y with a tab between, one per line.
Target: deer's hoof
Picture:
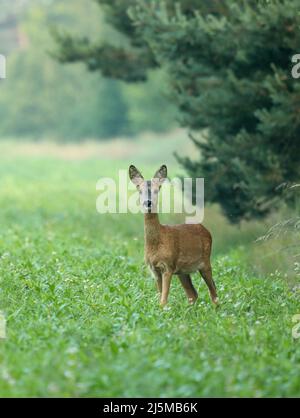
163	304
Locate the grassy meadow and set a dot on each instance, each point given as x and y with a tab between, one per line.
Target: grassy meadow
82	313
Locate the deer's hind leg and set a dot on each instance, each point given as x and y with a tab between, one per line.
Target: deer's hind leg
158	279
207	276
188	286
166	282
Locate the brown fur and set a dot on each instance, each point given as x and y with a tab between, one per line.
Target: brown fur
179	249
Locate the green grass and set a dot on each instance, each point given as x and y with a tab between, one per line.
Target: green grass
82	313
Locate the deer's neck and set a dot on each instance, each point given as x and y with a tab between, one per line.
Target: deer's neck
151	229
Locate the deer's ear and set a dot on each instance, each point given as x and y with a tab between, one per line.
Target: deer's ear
135	176
161	174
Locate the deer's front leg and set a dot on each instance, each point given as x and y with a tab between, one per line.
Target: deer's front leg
159	283
166	281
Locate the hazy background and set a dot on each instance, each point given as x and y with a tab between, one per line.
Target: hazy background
43	99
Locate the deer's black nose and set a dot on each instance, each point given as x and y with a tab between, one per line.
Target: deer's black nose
148	203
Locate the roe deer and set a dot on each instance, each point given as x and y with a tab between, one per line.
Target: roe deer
178	249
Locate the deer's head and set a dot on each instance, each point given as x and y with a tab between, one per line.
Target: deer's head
148	189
